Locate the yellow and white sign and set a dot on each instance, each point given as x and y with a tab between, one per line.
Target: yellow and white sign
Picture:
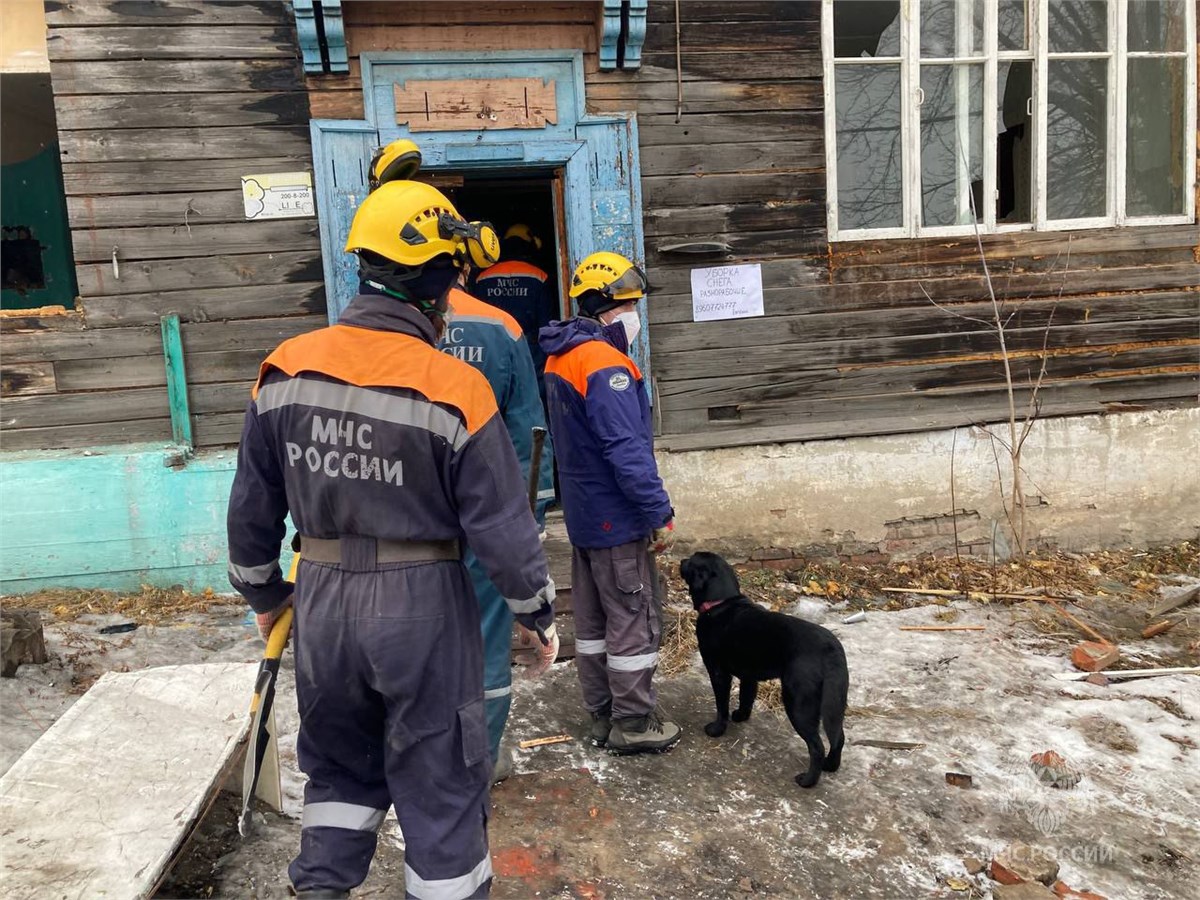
281	195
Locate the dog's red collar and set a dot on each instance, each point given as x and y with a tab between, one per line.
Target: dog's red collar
709	604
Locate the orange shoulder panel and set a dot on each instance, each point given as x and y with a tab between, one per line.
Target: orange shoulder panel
464	304
367	358
578	364
513	268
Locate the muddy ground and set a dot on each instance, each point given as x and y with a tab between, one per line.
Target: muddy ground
723	818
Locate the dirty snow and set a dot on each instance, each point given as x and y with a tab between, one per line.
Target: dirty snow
719	818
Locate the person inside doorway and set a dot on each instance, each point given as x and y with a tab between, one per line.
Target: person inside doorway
521	288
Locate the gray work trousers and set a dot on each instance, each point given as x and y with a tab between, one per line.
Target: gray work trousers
618	626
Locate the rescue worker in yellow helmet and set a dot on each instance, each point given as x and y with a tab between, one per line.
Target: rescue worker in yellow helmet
398	161
521	288
617	511
390	457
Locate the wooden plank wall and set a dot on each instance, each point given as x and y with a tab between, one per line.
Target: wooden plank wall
850	345
161	108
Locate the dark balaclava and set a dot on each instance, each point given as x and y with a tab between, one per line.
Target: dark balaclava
427	287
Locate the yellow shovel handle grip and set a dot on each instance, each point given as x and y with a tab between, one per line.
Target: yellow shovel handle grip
279	635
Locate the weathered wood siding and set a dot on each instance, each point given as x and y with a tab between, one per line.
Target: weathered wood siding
162	106
849	344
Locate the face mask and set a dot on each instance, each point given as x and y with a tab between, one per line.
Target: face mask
632	324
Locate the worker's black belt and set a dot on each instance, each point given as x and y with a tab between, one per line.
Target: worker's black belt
356	553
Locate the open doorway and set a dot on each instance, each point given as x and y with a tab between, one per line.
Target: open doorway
519	198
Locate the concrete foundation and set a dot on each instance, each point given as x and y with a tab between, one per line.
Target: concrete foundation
121	517
1090	482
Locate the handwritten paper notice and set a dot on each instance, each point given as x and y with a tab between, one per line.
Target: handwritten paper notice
727	292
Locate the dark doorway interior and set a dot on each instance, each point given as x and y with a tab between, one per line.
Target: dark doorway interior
506	199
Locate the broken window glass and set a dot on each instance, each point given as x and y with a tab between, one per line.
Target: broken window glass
866	28
951	28
869	159
1014	142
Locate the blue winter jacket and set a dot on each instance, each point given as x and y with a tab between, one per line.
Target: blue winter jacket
600	420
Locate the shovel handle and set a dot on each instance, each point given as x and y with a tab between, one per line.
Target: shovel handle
535	466
279	635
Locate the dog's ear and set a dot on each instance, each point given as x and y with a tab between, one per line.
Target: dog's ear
685	569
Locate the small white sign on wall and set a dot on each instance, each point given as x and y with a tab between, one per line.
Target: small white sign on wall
727	292
281	195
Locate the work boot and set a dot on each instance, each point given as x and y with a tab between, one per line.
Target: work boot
504	763
601	726
642	734
321	894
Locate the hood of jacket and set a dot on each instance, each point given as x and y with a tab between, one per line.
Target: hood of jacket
557	338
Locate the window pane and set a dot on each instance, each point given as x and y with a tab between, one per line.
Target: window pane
1157	25
951	145
951	28
869	172
866	28
1014	142
1077	26
1011	24
1076	138
1154	164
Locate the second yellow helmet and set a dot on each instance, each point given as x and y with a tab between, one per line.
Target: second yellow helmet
612	275
410	223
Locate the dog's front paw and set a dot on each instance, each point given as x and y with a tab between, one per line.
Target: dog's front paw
807	779
715	729
740	715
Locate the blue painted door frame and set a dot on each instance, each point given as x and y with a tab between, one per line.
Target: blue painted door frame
597	154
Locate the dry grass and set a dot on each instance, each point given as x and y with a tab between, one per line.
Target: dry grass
149	607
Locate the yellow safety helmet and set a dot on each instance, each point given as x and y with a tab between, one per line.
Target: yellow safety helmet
398	161
410	223
523	232
611	275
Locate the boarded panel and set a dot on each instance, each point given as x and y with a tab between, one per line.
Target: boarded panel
161	739
475	104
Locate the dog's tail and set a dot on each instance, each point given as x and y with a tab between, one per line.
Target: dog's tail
835	690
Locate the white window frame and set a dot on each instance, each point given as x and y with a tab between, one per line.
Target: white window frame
1116	53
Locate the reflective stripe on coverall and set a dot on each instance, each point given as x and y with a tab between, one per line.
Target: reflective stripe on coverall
490	340
365	429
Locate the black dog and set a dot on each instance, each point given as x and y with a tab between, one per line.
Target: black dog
739	638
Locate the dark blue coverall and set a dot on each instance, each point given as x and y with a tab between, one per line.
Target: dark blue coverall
491	340
370	436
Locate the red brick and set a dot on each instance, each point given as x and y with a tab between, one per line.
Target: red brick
1092	656
781	565
1070	894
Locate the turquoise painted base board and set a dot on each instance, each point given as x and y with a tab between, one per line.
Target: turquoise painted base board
115	518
